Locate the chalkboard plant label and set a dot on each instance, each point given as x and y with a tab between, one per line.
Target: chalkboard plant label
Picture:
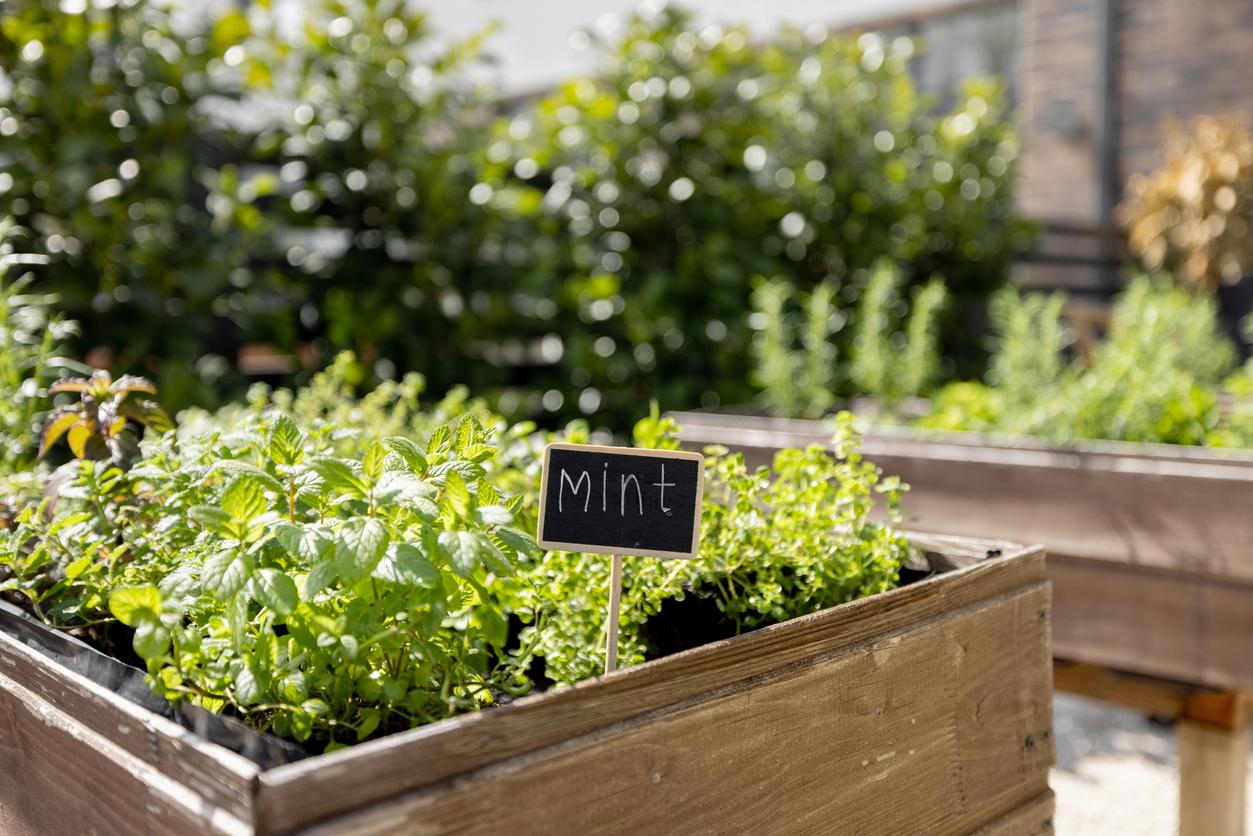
621	500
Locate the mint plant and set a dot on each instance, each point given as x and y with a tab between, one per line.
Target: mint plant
319	597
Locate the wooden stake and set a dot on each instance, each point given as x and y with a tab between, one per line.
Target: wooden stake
615	595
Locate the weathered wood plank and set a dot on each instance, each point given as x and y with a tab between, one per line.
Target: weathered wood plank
223	779
1035	818
301	793
59	777
1150	546
1165	624
939	727
1150	505
1152	696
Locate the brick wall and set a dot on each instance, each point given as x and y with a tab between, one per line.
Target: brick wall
1061	62
1179	58
1176	59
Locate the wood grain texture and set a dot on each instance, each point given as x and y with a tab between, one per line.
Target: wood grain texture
59	777
304	792
1164	624
942	687
1213	768
1152	696
220	777
940	727
1150	546
1035	818
1184	509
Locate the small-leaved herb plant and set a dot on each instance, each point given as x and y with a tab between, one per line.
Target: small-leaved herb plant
776	542
328	583
1154	378
894	352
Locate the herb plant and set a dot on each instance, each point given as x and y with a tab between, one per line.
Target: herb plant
31	342
891	355
797	376
1154	378
317	596
776	543
96	426
328	583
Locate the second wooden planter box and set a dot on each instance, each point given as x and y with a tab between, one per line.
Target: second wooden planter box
924	709
1150	546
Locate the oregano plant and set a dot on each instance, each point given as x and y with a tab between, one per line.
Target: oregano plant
777	542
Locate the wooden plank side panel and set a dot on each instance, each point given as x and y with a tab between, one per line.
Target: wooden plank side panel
1177	522
1035	818
1180	509
1174	626
879	738
1150	549
301	793
58	777
223	778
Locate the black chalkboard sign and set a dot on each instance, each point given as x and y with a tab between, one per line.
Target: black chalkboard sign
620	500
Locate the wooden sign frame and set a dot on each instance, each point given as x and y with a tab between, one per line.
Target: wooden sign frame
684	455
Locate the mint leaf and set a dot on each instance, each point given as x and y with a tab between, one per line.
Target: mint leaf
274	589
244	498
135	605
405	564
408	451
465	551
358	548
223	575
284	443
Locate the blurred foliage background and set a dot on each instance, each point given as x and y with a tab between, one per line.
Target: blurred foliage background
227	195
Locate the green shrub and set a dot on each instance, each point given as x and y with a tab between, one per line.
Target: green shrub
356	205
103	140
641	201
222	182
351	192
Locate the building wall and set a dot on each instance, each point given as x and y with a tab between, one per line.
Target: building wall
1176	59
1061	65
1179	58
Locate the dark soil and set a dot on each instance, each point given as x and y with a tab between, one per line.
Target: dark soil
696	620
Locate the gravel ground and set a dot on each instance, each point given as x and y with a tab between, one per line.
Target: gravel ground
1117	772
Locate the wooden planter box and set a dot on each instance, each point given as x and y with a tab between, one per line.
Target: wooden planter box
1150	546
924	709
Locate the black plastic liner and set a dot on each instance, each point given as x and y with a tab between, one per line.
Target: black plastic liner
262	749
